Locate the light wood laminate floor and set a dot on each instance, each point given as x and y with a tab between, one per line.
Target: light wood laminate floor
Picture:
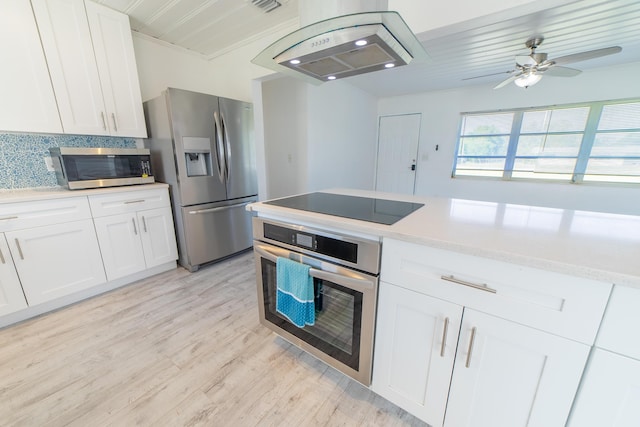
177	349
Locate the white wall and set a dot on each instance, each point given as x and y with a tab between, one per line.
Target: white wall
341	137
284	108
317	137
440	122
161	65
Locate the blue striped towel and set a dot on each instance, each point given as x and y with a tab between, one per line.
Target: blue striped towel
294	295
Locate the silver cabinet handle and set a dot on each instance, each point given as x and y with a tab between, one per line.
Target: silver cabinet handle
470	349
134	201
19	249
482	287
144	224
104	122
2	258
221	208
6	218
135	229
444	336
115	125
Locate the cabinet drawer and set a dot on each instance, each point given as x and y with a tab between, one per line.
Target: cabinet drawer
127	201
16	216
565	305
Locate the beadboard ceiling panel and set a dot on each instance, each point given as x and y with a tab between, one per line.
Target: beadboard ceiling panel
486	46
208	27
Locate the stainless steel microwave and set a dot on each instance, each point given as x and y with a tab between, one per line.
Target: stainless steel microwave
78	168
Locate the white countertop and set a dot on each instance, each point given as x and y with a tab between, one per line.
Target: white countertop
593	245
44	193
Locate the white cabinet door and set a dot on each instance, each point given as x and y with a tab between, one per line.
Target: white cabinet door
27	102
610	392
509	375
119	238
113	47
158	236
416	338
92	66
56	260
11	296
67	43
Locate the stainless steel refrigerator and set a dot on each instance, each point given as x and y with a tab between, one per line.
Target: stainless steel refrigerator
202	146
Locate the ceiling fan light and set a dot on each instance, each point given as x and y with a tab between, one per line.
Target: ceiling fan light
528	79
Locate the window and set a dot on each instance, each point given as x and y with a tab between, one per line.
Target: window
584	143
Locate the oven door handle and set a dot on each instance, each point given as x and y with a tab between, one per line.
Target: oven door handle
352	282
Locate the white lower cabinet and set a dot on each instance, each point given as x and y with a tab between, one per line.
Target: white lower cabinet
56	260
135	230
59	250
610	392
135	241
415	347
502	374
11	296
464	341
509	375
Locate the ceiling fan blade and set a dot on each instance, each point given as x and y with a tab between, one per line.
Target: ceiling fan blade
583	56
488	75
525	60
562	71
507	81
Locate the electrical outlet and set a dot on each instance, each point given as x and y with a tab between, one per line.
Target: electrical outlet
49	162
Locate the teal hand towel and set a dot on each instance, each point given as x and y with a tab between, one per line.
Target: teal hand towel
294	293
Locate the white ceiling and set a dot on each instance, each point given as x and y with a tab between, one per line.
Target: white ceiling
474	48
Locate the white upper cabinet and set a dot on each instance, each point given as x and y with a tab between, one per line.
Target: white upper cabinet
92	67
27	102
113	47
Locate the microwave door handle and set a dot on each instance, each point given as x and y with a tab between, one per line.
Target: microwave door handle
226	146
218	141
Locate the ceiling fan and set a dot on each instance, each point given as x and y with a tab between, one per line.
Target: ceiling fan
530	68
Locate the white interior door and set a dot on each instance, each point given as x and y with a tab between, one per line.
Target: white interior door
397	153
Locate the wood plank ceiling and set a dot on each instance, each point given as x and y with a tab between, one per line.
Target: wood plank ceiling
479	47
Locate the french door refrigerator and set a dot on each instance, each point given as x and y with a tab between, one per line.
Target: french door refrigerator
202	146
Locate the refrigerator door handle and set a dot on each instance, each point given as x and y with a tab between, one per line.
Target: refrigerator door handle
221	208
226	146
219	147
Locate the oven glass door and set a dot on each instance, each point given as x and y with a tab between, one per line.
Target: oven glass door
337	328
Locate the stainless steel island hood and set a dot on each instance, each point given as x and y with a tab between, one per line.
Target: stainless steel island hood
344	46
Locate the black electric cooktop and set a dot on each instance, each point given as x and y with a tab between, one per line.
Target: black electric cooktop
380	211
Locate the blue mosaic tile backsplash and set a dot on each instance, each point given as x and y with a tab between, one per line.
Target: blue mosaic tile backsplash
22	156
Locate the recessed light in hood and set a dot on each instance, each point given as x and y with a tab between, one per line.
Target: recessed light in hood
344	46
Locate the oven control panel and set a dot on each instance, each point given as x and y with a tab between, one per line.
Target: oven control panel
351	251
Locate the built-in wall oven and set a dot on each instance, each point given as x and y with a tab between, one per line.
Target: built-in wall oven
345	278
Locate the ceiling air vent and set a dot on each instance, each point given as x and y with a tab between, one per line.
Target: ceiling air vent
266	5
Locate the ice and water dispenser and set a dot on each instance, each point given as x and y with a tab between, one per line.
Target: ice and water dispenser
197	155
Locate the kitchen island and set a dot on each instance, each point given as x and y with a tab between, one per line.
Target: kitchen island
593	245
488	312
